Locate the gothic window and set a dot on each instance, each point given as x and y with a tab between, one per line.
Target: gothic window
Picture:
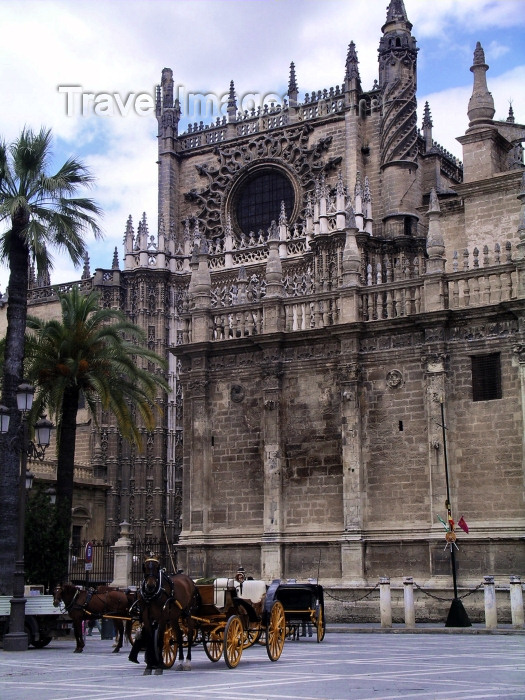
486	377
259	198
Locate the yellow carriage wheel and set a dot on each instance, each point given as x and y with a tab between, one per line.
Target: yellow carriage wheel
251	635
320	625
213	644
276	632
169	647
233	641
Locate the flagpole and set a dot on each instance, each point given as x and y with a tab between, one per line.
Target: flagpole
457	616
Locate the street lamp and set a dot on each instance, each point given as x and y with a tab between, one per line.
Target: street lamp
16	639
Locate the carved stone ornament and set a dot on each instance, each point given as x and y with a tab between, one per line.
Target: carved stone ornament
237	393
394	379
290	148
519	351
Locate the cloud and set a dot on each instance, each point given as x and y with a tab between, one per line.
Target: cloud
121	47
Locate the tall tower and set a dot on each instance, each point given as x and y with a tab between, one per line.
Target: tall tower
168	116
398	139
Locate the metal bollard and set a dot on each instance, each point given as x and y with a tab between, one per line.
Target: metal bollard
516	602
385	602
491	613
408	595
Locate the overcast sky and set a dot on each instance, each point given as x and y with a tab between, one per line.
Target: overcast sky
117	49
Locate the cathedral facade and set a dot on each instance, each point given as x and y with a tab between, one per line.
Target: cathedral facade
342	303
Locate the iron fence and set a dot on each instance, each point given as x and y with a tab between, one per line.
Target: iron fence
98	571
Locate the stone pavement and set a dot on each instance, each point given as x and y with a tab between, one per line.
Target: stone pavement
353	663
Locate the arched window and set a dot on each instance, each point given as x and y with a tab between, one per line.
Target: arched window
258	200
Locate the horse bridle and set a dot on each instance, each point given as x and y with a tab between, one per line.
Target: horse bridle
69	607
149	596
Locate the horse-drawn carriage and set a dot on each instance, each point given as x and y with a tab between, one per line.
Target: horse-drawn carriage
231	615
303	605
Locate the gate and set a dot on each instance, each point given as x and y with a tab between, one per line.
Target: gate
100	573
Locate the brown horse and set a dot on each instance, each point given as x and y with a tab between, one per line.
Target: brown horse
92	605
165	601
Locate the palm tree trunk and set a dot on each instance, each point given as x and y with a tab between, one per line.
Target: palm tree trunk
65	474
12	378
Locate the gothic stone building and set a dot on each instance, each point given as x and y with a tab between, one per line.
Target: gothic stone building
342	303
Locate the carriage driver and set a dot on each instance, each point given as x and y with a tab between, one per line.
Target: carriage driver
148	564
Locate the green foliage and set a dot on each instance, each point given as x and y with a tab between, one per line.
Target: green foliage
39	212
41	208
98	352
41	538
95	352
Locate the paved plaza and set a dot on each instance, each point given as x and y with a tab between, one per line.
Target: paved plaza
362	666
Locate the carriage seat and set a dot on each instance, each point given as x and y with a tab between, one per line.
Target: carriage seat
253	591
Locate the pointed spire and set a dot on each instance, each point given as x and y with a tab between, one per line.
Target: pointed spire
395	12
115	265
232	103
510	118
242	285
350	216
129	236
481	104
433	204
31	276
167	88
427	117
282	215
340	188
86	274
397	48
351	256
274	269
358	188
186	234
167	109
352	63
435	240
293	90
427	128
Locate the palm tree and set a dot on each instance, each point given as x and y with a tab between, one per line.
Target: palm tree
39	212
94	352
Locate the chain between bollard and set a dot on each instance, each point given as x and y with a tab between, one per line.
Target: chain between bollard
447	600
352	602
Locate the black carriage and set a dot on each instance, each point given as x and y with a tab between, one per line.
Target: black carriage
303	605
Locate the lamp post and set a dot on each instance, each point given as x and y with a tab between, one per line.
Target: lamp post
16	639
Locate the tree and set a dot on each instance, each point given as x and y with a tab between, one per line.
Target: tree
94	352
39	212
41	564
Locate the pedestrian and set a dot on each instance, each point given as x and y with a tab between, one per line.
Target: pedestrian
93	622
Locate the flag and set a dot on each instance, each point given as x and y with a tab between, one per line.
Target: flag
463	525
443	522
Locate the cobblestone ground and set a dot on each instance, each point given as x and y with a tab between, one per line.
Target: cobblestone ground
357	666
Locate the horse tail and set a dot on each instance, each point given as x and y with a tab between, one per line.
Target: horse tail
128	627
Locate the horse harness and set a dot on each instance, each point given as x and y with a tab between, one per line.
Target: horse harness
149	596
73	605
